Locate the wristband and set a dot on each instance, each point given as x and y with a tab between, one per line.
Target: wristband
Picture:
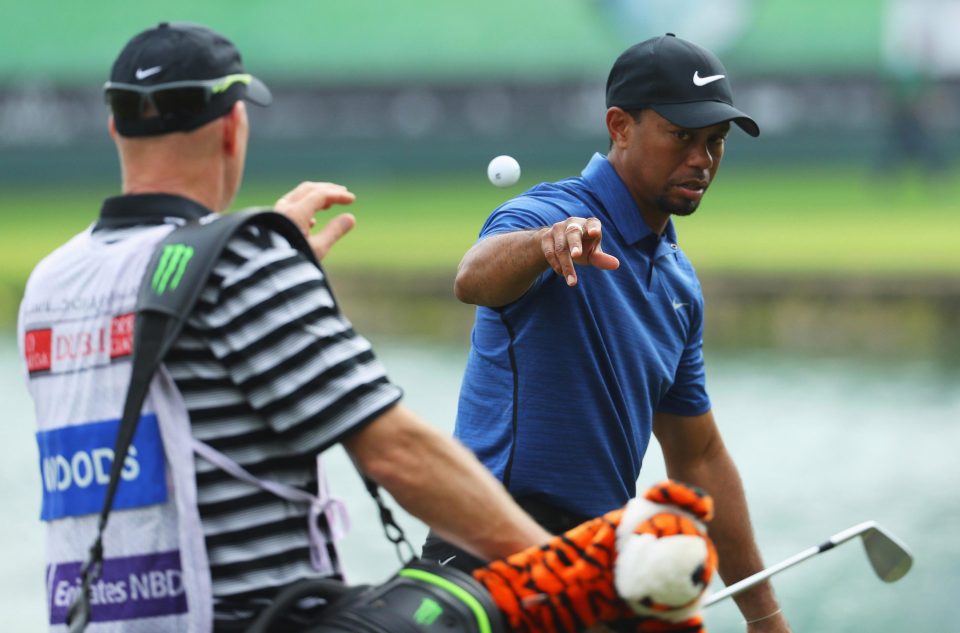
769	615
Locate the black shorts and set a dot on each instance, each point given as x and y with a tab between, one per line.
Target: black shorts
553	519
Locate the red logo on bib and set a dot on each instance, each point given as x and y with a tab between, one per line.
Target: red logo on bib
121	335
37	345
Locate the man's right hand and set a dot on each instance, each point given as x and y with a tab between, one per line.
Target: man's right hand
575	241
302	204
500	268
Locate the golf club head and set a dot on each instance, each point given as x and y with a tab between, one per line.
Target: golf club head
889	557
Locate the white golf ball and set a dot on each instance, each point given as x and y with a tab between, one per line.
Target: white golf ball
503	171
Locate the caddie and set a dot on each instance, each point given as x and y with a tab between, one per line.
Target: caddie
266	374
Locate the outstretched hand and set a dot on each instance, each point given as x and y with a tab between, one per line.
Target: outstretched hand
575	241
302	204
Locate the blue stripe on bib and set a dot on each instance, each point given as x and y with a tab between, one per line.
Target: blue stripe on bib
75	464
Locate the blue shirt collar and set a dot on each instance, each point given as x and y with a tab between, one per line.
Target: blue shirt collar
606	184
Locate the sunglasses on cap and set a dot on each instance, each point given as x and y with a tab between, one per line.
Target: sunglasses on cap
188	97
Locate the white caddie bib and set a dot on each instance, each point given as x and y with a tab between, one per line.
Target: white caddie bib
76	332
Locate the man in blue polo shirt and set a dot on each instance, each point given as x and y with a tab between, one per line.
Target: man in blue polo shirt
581	352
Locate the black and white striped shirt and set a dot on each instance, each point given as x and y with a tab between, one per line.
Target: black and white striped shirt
272	373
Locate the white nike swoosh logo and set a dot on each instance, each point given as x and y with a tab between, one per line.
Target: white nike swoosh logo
444	562
677	305
149	72
703	81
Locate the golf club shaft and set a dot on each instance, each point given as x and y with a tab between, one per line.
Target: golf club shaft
760	576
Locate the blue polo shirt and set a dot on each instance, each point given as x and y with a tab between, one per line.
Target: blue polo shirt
561	385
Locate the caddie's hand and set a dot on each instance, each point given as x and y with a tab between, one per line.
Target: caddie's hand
302	204
575	241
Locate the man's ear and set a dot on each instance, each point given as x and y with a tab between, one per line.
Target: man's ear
232	128
620	126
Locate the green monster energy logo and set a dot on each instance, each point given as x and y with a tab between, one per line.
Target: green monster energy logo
428	612
173	263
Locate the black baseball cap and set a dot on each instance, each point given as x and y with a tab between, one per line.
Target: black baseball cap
680	81
177	77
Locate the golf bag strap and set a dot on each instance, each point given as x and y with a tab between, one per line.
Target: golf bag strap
391	529
172	283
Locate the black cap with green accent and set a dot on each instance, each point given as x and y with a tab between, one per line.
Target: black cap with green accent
177	77
680	81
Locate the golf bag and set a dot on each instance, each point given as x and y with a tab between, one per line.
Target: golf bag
421	595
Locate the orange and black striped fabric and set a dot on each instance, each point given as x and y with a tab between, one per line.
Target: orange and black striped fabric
567	584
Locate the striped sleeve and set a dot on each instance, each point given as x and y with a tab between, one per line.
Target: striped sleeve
271	373
268	316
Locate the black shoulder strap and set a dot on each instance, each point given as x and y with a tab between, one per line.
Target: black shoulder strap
174	279
172	283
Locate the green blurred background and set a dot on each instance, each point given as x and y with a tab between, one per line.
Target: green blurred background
854	174
829	248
